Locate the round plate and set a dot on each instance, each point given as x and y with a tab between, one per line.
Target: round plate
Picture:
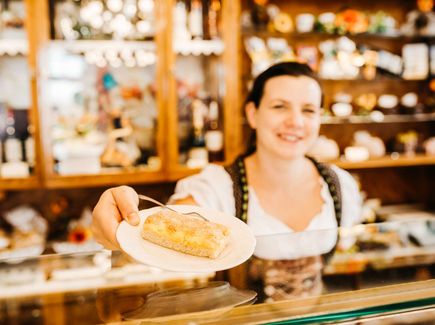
241	244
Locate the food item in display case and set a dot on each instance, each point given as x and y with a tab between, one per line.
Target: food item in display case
415	61
26	235
309	55
420	21
305	22
186	234
370	60
382	23
374	145
378	240
389	62
324	149
338	59
365	103
4	240
283	23
341	109
262	56
387	104
79	237
342	105
351	21
406	142
325	23
356	153
12	20
429	146
409	104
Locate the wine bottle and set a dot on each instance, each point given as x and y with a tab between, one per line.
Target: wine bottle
195	19
213	19
198	156
213	134
12	145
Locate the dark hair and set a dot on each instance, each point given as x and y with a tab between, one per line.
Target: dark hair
292	69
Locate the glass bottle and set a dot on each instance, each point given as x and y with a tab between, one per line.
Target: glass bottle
213	135
213	19
195	19
12	145
198	156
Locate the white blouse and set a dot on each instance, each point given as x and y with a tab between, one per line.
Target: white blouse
213	188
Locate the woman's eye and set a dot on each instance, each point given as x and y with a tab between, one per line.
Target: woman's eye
309	110
278	106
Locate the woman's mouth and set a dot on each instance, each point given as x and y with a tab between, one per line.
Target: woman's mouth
290	137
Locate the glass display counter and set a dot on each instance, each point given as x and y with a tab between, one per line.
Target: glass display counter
374	273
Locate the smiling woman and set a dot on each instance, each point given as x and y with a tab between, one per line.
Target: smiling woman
273	187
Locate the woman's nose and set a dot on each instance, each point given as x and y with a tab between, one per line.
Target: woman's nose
294	119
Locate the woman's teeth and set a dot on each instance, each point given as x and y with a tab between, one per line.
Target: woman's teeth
292	138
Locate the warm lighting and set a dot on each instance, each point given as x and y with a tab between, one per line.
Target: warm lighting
97	19
143	26
146	6
114	5
130	9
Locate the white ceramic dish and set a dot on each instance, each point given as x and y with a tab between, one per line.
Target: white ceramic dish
241	245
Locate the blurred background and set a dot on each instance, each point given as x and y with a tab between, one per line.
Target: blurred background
99	93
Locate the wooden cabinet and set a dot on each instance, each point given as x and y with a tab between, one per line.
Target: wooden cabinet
224	69
17	82
56	83
395	177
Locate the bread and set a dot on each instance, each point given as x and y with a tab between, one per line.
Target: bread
186	234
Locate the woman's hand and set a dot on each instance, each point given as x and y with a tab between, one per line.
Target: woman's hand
115	204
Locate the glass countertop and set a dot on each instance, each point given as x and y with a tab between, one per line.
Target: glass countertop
364	273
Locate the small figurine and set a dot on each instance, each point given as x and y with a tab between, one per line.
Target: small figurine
420	21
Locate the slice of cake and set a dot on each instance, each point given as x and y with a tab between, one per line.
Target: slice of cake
187	234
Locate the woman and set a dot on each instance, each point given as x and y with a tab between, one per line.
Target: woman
274	187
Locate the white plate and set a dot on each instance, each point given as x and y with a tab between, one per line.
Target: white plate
241	245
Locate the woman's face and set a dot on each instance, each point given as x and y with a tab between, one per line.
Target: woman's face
287	120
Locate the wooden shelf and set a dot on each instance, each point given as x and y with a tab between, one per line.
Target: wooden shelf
83	46
181	171
137	176
350	263
384	162
14	47
27	183
396	118
380	77
361	36
199	47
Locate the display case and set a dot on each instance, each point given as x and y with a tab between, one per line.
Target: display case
18	125
101	93
167	71
111	81
201	84
196	84
378	114
364	273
